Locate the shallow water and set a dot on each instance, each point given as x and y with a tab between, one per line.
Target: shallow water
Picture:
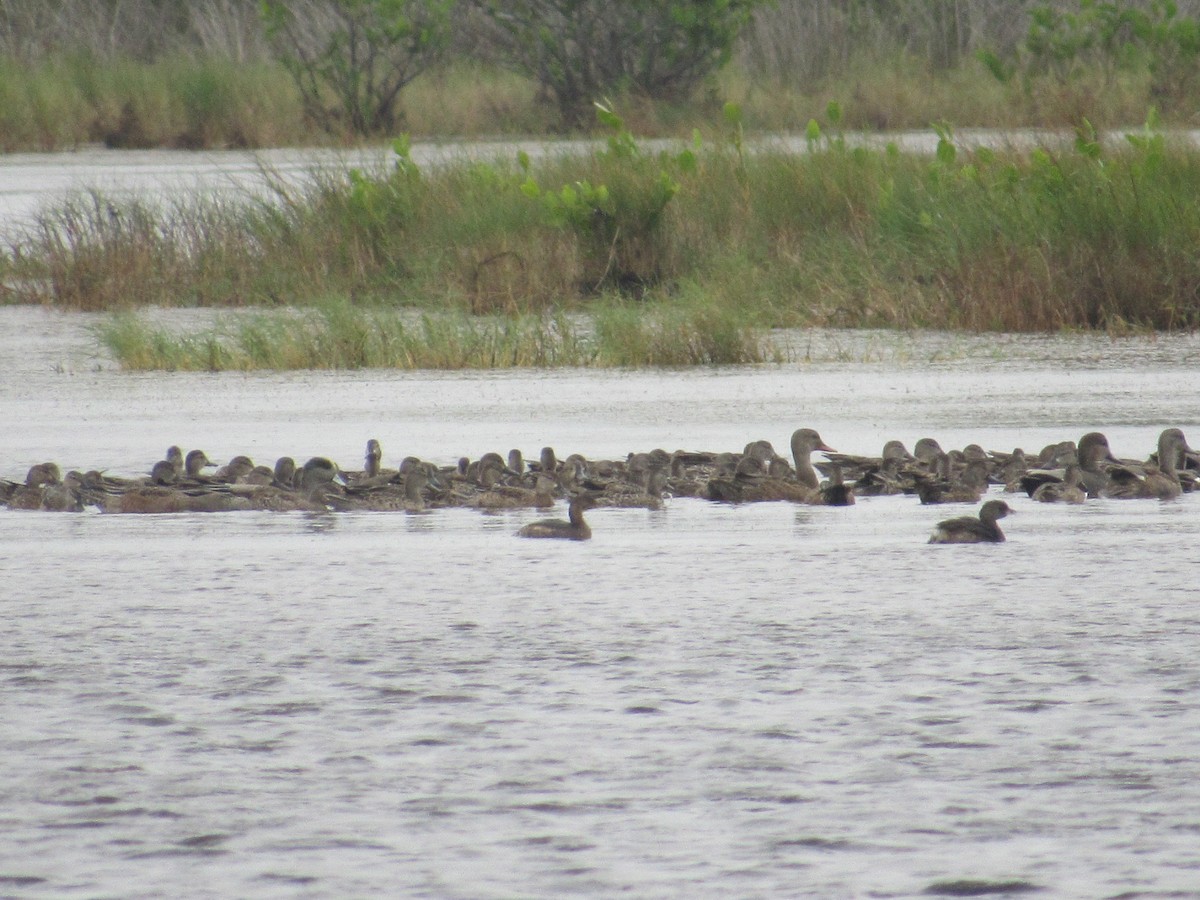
30	180
705	701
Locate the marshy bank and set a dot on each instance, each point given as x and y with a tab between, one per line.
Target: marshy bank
628	254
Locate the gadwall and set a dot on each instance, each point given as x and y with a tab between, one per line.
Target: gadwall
373	461
317	472
406	495
196	462
163	473
175	459
1093	456
944	485
750	483
234	470
39	477
1158	480
574	530
1068	490
645	493
971	530
836	492
154	499
857	468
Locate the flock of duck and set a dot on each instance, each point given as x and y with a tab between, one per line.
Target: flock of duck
1066	472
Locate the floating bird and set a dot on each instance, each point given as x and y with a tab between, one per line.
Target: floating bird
1069	490
806	441
971	530
574	530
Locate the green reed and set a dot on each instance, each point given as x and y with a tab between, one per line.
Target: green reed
729	242
336	335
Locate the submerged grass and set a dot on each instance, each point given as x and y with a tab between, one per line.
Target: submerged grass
677	258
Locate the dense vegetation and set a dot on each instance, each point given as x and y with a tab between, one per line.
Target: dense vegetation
142	73
630	256
624	255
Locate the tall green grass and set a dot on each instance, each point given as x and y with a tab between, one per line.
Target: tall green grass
196	100
1070	235
190	102
336	335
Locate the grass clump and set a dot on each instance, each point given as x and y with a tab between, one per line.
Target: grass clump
337	335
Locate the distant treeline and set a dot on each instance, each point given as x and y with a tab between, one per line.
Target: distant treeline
346	66
786	39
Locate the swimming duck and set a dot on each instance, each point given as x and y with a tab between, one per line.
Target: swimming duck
1069	490
971	530
175	458
805	441
836	492
944	486
576	529
373	460
406	497
1152	481
645	494
234	470
1093	456
37	479
750	483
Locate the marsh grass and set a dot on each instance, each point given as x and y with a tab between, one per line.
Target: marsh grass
182	101
197	100
1082	236
337	335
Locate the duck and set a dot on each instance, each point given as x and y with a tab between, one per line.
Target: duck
373	459
750	483
175	458
1093	456
645	493
943	486
861	468
1069	490
37	480
408	497
972	530
836	492
234	470
575	529
1157	480
155	499
806	441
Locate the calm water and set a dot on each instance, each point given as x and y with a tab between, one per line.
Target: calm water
28	180
705	701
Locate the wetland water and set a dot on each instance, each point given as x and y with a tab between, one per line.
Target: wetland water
704	701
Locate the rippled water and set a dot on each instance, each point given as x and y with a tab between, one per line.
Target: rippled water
705	701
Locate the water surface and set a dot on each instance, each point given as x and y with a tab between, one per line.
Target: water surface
705	701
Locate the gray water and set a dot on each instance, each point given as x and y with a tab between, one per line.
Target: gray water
704	701
29	181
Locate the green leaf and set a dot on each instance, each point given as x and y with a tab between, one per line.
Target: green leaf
946	152
606	117
812	133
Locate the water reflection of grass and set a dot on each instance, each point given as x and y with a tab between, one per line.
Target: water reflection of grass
673	259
